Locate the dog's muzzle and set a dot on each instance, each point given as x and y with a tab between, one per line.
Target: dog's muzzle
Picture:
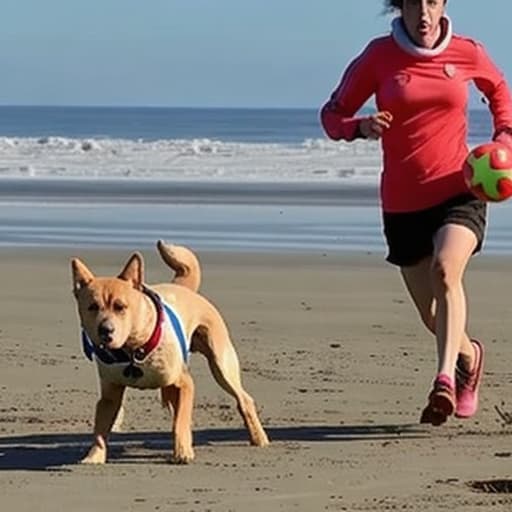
106	331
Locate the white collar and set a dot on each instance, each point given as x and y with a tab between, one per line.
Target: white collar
403	40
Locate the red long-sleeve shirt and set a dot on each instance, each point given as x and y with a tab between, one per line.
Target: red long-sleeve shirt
427	94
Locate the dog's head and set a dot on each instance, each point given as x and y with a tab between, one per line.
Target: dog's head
108	306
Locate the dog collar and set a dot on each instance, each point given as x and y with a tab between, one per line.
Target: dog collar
120	355
140	353
164	310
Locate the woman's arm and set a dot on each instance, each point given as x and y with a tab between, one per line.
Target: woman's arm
357	85
491	82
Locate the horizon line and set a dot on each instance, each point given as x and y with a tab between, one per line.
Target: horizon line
175	107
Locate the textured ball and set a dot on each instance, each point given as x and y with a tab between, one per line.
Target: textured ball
488	172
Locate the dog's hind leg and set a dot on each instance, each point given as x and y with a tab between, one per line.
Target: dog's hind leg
180	398
118	422
226	371
107	409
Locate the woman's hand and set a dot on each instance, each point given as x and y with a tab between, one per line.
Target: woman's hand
373	127
504	136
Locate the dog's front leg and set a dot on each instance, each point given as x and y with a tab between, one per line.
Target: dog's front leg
181	397
107	409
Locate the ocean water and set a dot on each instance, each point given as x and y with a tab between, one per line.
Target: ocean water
274	126
186	144
218	179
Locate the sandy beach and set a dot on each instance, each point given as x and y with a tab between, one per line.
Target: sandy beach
330	348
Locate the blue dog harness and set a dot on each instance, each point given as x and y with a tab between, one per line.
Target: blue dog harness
120	355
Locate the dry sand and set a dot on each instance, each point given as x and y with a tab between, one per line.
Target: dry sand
330	348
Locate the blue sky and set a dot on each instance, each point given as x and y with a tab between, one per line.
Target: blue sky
216	53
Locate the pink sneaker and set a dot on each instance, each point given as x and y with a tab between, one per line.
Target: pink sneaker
468	384
441	401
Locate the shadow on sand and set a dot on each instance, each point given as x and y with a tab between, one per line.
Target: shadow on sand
47	451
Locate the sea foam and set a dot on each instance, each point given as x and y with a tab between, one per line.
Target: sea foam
190	159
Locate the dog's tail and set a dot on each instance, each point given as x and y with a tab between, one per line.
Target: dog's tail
184	263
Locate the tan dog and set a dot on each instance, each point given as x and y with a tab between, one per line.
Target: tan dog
140	337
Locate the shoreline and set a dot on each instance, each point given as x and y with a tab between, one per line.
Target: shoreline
239	217
158	191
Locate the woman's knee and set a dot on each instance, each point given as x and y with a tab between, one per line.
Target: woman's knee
446	272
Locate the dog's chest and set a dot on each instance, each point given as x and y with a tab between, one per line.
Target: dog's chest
161	368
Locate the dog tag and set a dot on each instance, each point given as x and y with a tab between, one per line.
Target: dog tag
133	372
139	355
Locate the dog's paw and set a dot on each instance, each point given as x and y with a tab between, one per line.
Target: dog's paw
261	441
258	436
96	455
183	456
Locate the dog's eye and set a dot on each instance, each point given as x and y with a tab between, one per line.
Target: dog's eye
94	306
119	307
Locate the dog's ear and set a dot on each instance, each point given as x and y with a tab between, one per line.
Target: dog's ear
82	276
133	271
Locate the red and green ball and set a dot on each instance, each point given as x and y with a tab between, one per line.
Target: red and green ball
488	172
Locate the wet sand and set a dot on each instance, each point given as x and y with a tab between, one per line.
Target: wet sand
331	350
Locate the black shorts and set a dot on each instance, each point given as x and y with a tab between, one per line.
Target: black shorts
410	235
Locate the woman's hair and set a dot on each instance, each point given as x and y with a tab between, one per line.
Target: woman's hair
392	5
